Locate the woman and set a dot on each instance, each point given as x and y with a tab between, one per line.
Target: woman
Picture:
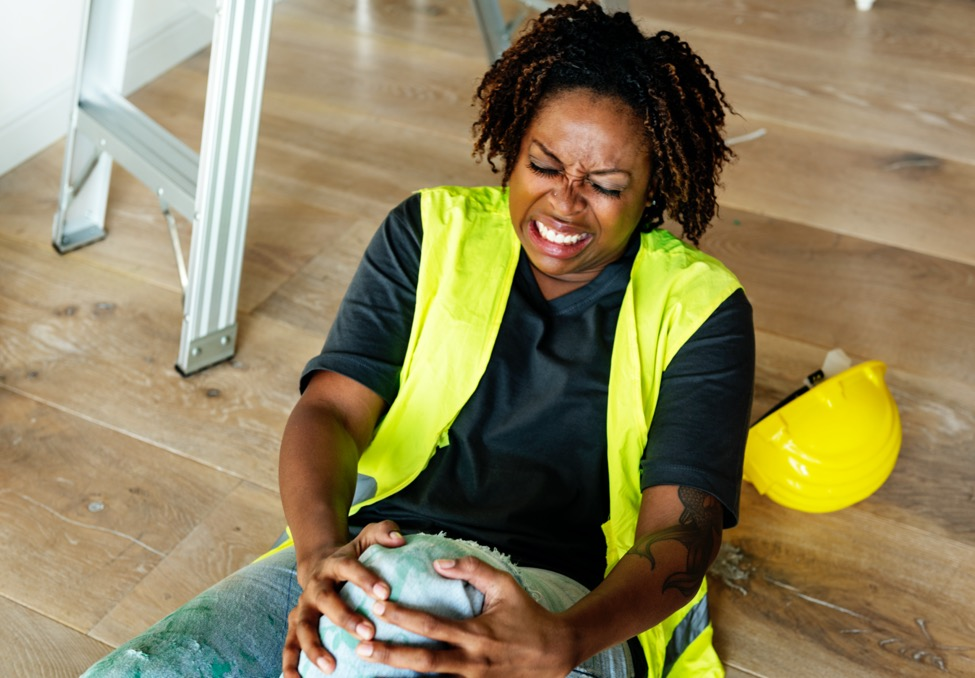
536	368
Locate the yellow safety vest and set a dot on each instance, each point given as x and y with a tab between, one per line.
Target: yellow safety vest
468	259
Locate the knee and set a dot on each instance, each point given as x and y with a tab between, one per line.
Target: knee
408	570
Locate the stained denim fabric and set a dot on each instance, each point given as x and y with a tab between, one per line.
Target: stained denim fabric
236	629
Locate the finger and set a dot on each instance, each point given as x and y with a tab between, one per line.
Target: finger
423	660
290	656
327	602
486	579
385	533
354	572
303	635
322	595
421	623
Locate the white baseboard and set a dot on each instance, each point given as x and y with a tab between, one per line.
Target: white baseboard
38	123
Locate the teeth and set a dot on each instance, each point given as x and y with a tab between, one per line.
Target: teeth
554	236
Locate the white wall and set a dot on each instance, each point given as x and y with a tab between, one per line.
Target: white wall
39	50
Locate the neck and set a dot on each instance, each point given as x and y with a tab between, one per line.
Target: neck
553	288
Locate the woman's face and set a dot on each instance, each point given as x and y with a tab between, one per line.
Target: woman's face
579	187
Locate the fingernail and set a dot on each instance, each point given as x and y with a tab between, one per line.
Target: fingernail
364	650
379	608
395	534
364	631
323	665
381	591
446	564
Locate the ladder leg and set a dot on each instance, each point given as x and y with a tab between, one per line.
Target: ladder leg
87	168
614	6
233	104
497	32
494	30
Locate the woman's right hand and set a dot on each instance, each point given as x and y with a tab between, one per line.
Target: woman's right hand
321	576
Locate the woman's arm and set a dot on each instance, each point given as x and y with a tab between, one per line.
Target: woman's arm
327	430
678	536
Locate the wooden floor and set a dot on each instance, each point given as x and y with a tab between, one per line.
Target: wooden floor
125	489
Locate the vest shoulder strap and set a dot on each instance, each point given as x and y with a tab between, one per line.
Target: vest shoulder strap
673	289
468	259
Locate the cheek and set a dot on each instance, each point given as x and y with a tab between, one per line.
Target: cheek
624	218
521	193
517	204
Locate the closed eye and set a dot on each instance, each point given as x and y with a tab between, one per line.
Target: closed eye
543	171
552	172
608	192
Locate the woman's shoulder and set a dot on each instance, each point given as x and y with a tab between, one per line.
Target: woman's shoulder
665	256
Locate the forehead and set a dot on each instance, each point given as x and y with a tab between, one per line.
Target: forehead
590	125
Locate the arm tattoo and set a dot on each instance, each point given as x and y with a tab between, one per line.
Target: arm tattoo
699	530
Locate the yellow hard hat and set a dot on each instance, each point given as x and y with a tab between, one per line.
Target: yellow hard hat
829	447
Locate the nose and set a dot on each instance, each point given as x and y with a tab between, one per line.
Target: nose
566	196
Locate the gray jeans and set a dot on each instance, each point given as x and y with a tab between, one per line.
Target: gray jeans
237	627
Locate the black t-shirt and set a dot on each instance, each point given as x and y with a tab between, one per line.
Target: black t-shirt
526	469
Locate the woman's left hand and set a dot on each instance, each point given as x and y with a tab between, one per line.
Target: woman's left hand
513	636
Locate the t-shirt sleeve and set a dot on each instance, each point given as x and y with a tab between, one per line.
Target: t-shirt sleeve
368	340
697	436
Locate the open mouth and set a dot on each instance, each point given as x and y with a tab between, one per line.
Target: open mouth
557	243
552	235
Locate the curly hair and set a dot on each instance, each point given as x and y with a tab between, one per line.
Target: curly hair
666	84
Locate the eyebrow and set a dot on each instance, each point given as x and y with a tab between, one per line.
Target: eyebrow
556	158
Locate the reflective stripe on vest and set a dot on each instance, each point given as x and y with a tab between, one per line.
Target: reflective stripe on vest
469	254
687	631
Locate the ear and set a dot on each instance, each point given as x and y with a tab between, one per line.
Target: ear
653	212
653	193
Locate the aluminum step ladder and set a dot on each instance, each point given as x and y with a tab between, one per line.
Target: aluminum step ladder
211	189
497	31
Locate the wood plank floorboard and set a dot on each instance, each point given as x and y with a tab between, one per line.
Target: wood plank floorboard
733	671
442	25
230	537
399	80
848	223
911	34
68	323
102	508
34	645
863	190
886	303
929	112
311	298
820	581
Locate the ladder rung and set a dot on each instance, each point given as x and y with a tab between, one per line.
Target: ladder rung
143	147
